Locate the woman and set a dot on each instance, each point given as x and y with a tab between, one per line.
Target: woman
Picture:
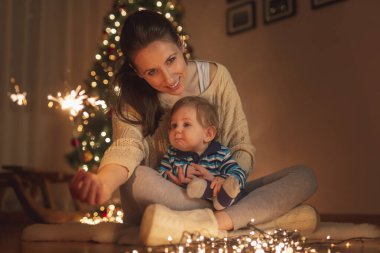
154	75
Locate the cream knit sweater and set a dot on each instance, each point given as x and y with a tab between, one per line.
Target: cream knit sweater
130	149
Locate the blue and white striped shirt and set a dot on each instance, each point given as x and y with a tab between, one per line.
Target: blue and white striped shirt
217	159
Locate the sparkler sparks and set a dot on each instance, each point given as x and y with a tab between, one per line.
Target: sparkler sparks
74	101
18	97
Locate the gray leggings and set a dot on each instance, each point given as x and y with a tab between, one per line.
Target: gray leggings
268	197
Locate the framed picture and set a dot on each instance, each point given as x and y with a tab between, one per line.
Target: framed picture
241	18
275	10
315	4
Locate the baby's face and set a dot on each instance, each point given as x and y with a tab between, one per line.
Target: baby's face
186	133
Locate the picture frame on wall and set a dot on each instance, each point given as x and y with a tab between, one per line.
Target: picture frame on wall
241	18
275	10
315	4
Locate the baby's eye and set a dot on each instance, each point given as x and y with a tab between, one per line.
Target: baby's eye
186	124
173	126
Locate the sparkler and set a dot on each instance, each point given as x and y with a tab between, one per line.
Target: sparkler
18	97
75	100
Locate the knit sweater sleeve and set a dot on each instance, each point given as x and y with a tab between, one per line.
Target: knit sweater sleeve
127	148
233	126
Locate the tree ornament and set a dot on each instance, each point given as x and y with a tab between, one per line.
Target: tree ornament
87	156
74	142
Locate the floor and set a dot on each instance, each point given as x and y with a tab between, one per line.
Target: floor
11	229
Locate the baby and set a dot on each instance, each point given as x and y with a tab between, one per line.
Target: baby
193	128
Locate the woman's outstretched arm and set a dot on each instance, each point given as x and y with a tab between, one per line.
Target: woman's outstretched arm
95	189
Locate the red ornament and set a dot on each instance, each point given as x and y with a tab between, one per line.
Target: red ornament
74	142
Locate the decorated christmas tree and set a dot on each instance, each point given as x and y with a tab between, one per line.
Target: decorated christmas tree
92	121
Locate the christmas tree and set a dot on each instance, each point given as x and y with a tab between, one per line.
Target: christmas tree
92	125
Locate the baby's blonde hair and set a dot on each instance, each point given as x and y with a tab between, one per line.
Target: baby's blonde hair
207	115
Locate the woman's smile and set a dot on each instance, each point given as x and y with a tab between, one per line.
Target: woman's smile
175	85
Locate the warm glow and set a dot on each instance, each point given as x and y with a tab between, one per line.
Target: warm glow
72	102
112	215
17	97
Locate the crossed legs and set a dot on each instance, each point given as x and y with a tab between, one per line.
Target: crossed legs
269	197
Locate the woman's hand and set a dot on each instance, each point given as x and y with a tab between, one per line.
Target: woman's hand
216	184
88	188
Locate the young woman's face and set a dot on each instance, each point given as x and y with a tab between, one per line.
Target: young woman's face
163	66
186	133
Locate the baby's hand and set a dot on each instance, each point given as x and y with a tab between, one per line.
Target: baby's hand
216	184
181	179
203	172
192	172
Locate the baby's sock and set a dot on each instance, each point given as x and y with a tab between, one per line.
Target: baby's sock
199	188
227	194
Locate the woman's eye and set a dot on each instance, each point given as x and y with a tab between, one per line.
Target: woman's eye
171	59
151	72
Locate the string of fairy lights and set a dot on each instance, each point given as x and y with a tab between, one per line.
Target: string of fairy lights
251	240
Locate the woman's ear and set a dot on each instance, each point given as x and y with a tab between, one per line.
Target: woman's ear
210	134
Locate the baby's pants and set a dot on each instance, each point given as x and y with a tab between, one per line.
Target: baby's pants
268	197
